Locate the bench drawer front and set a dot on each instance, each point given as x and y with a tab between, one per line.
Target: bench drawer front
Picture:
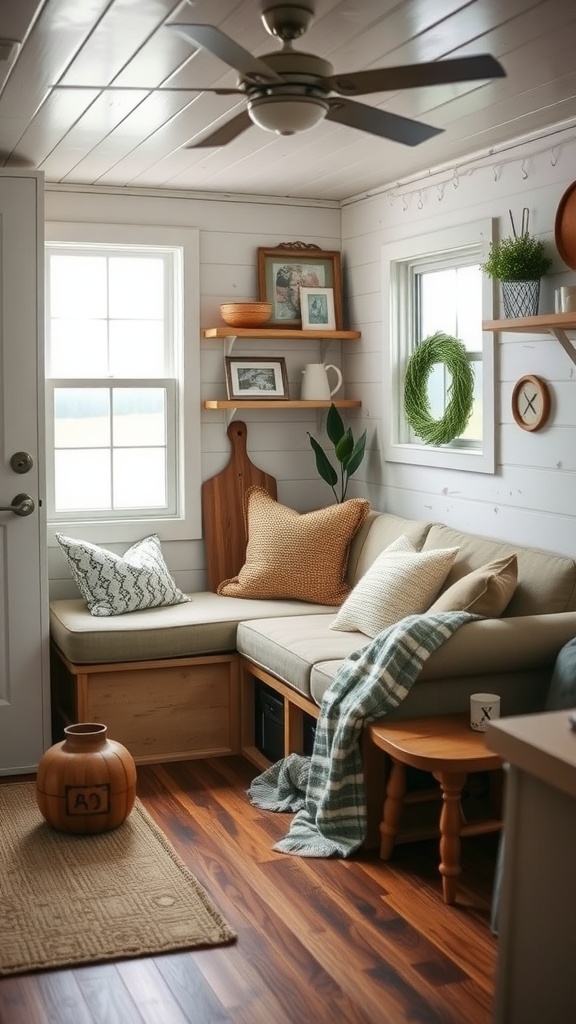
169	712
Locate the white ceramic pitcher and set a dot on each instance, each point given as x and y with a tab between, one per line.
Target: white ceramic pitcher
315	382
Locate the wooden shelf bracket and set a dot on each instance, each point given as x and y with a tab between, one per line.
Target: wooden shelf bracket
565	341
556	324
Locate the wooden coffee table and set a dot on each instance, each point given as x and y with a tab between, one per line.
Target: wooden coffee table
447	747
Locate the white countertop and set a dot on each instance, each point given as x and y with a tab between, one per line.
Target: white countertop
542	745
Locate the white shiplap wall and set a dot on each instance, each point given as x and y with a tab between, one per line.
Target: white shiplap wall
531	498
231	230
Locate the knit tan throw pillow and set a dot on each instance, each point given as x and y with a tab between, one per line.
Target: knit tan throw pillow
486	591
296	555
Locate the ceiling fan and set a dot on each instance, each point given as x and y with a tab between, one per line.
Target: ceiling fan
289	91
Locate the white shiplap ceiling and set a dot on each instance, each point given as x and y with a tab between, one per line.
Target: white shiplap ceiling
135	136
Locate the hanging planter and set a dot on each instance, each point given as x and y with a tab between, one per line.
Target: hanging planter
520	298
518	263
439	348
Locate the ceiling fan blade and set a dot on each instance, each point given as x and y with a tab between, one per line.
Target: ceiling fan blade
380	122
225	133
222	46
411	76
156	88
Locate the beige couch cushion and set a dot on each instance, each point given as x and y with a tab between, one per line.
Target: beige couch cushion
289	648
296	555
521	693
496	655
546	581
485	591
206	624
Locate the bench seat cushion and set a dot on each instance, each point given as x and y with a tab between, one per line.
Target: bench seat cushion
206	624
288	648
492	655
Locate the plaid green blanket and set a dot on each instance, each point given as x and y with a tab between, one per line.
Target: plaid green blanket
327	789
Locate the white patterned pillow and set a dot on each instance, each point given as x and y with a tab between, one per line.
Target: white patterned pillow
113	584
398	583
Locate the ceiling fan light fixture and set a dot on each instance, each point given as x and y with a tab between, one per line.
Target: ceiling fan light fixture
285	115
290	91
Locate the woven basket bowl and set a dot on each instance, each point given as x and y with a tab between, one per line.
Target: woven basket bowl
246	314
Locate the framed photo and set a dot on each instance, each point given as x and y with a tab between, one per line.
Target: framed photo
283	271
317	309
256	377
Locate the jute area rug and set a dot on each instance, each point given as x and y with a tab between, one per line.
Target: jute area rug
67	900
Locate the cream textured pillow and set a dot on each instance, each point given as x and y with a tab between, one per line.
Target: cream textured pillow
296	555
486	591
398	583
113	584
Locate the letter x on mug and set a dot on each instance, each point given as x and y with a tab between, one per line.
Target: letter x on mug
484	708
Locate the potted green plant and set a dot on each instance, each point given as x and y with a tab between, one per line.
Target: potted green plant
518	262
349	453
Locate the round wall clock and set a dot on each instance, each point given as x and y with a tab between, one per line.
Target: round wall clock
530	402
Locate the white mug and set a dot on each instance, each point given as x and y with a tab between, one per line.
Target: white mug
484	708
315	382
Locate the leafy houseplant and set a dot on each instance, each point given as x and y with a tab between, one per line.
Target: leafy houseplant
519	258
518	263
348	452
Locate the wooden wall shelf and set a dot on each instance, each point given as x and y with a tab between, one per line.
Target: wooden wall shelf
277	333
278	403
229	335
547	323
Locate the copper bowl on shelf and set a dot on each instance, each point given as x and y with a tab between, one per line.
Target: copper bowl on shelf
246	314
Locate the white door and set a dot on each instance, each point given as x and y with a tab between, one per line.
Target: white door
24	678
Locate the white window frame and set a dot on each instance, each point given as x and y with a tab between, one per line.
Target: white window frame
186	522
398	260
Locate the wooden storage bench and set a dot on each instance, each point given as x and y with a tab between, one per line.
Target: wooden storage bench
166	710
166	681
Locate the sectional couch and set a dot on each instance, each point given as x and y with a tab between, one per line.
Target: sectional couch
179	682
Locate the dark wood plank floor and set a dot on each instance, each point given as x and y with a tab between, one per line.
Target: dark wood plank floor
350	941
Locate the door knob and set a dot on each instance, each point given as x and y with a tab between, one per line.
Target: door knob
21	505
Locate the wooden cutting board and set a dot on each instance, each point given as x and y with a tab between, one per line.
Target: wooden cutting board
223	508
565	227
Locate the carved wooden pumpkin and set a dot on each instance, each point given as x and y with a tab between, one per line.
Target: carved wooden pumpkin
86	783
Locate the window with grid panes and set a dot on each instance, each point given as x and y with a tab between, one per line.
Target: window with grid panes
120	372
434	283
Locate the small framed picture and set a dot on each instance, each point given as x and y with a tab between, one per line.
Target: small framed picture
317	309
283	271
256	377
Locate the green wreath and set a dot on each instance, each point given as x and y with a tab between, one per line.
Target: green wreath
439	348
